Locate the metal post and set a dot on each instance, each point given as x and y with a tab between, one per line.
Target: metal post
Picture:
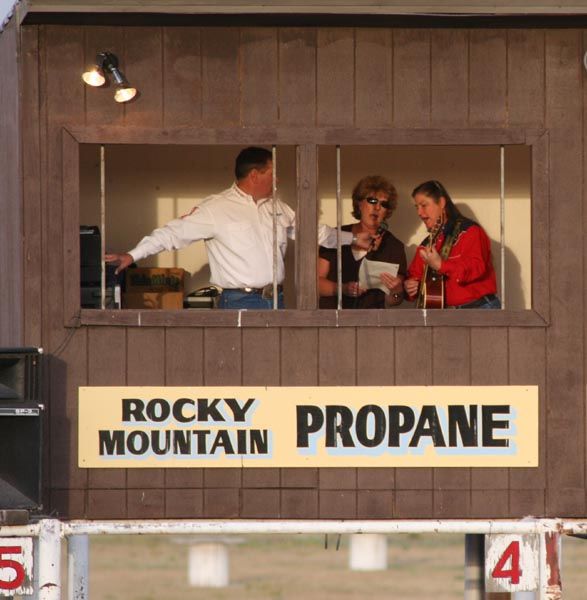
77	567
209	564
339	232
368	552
550	567
36	562
49	560
102	227
474	566
502	221
274	206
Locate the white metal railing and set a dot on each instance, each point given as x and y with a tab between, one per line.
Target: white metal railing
488	526
50	532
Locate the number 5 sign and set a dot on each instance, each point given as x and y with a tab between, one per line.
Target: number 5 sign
16	566
512	563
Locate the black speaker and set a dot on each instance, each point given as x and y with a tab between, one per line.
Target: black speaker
90	246
91	295
21	426
20	375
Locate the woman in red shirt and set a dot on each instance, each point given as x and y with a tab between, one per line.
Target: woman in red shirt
460	253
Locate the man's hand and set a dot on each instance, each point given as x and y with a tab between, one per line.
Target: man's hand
431	257
364	240
352	289
411	286
122	260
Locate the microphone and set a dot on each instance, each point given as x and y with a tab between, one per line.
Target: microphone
383	227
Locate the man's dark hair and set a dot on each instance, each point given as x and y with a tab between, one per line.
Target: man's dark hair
251	158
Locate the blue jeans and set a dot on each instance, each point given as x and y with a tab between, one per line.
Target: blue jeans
235	299
486	302
493	303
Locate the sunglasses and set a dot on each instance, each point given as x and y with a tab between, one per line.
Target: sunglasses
383	203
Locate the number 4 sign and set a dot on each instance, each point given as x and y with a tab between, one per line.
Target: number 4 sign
512	563
16	566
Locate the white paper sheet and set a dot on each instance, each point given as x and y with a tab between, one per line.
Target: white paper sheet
370	274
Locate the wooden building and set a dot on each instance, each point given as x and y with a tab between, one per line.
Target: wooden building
307	76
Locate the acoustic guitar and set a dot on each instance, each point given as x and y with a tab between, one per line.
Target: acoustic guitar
431	291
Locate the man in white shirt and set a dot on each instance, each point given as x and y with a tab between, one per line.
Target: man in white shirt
237	227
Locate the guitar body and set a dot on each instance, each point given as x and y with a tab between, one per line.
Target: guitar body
433	290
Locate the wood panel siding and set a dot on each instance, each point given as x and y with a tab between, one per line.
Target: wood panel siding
584	224
259	76
32	224
220	76
374	85
528	486
11	251
335	77
63	103
565	386
525	77
487	78
411	78
297	76
306	86
182	77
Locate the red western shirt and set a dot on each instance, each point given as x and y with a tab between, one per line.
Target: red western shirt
468	270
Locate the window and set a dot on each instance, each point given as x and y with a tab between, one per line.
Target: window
471	174
148	185
190	164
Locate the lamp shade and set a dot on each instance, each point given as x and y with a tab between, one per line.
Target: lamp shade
94	77
124	94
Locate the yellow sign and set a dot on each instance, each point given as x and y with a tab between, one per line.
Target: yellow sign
463	426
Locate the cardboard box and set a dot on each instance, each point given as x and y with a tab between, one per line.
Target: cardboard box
155	280
154	288
165	300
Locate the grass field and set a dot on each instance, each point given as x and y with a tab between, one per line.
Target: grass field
287	567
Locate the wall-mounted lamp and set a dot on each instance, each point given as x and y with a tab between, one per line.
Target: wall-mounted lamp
108	62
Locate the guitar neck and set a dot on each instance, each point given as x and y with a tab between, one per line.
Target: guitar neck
431	292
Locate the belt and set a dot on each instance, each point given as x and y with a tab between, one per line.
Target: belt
477	303
266	291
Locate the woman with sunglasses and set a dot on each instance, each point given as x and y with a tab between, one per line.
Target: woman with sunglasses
374	200
457	249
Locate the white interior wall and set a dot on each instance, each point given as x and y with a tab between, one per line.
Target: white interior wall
148	185
471	175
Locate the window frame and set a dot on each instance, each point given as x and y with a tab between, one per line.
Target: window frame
307	141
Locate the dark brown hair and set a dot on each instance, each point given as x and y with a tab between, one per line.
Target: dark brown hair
435	190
